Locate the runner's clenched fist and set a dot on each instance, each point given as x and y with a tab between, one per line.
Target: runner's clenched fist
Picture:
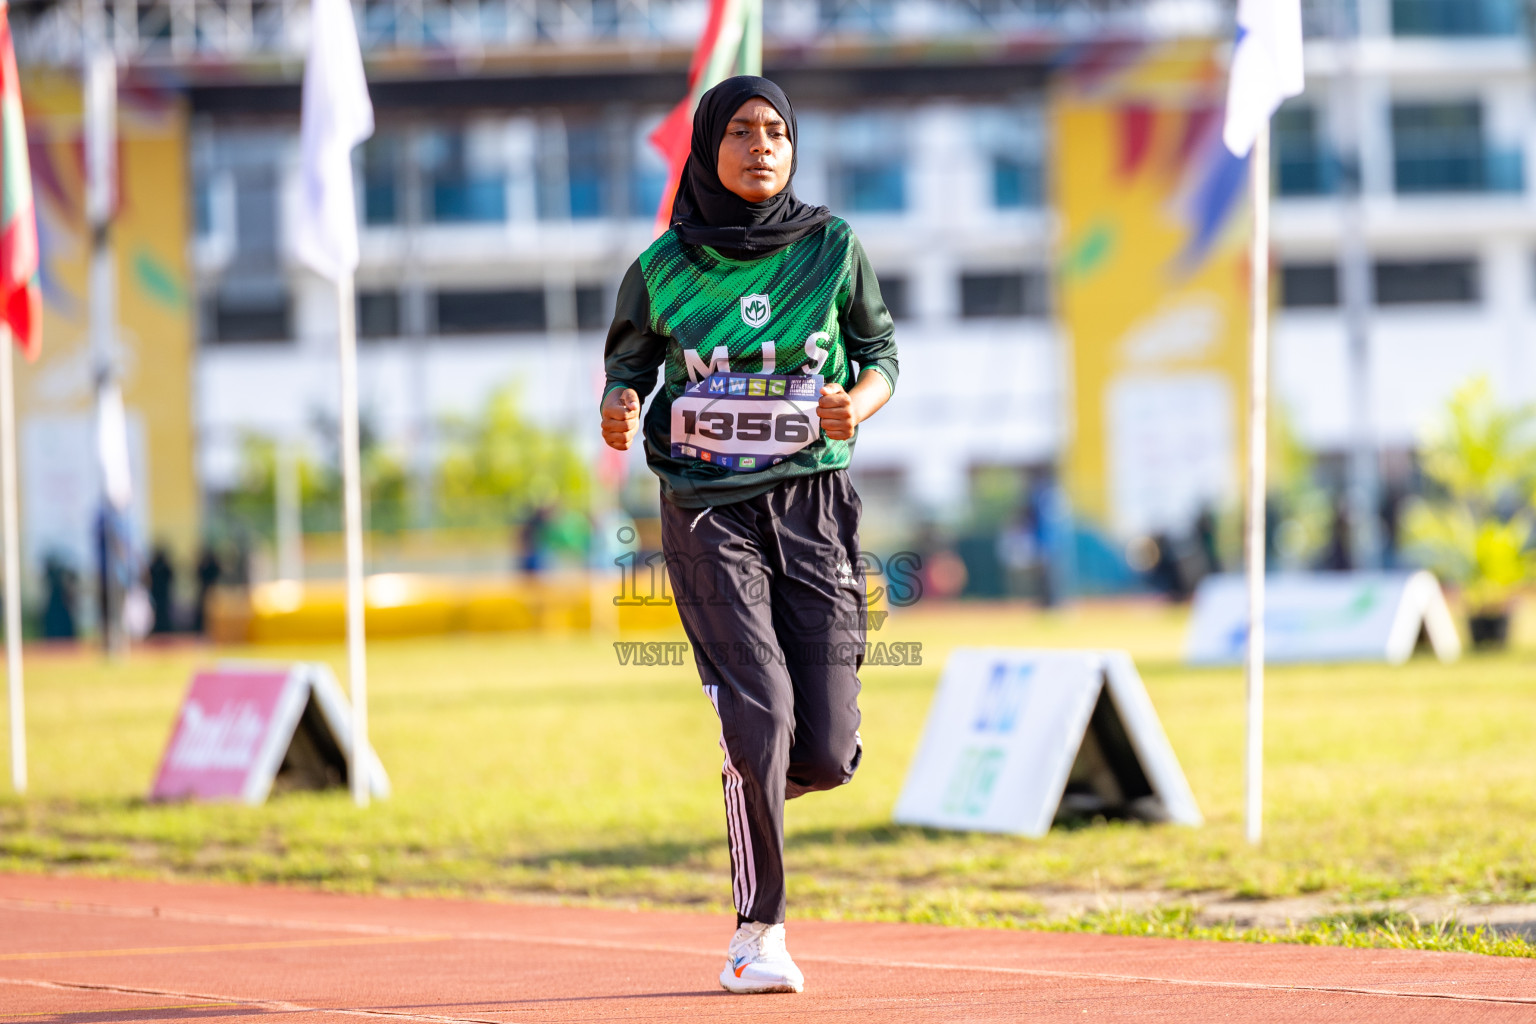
836	412
841	411
621	418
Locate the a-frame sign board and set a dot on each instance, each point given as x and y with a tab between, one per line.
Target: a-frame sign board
247	728
1323	617
1016	739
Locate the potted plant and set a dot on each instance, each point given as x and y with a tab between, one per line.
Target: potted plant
1475	525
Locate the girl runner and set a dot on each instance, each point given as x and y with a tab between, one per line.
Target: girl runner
762	549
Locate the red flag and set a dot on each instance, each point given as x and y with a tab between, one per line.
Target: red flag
731	44
20	298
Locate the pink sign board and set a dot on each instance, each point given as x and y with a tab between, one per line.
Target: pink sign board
233	722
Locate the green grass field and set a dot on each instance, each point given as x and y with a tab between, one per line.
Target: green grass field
539	768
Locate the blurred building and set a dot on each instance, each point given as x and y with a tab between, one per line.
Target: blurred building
1429	106
510	184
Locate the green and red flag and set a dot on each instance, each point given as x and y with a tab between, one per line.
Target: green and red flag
732	44
20	297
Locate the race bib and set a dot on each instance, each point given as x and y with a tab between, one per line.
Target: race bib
746	421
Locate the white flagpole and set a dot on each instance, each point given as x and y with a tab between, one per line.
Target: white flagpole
352	498
1258	451
337	116
12	559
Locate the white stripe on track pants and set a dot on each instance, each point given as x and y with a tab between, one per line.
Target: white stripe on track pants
772	598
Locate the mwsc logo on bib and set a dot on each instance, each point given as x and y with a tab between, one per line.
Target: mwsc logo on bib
755	310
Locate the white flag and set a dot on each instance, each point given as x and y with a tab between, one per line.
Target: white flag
1266	68
112	445
337	116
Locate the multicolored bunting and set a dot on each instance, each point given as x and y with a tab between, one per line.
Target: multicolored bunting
20	296
732	44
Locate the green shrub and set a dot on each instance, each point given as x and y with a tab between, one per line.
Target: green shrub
1475	527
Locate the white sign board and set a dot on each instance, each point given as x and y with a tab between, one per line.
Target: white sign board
1171	448
61	486
1015	736
1325	616
245	727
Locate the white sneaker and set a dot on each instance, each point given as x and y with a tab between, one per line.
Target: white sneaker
758	961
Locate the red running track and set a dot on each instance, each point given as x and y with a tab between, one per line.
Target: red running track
89	950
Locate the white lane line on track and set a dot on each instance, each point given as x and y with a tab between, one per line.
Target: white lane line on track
5	1015
221	947
846	961
274	1005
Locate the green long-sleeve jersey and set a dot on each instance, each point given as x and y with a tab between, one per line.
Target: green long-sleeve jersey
813	306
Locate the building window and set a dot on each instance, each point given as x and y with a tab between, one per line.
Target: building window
256	219
586	166
490	312
1016	294
463	177
1015	184
872	189
867	168
1456	17
1440	147
248	313
593	310
381	178
236	175
862	17
1401	283
1309	285
894	291
378	314
1012	141
1302	165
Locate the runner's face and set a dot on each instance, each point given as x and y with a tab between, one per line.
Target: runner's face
755	155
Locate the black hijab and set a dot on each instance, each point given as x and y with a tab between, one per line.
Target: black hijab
705	212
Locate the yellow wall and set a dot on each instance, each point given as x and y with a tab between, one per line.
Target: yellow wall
154	350
1157	339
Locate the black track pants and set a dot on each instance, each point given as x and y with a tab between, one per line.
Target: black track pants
772	598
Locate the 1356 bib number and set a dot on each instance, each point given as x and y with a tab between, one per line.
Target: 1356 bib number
793	427
746	421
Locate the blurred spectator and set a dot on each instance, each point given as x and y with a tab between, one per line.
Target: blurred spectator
986	575
1391	513
1205	538
943	571
1274	515
63	590
1019	553
1168	575
531	541
1055	538
162	581
944	574
236	570
209	573
1339	557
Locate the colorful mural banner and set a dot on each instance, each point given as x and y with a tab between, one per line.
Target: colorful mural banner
1152	290
153	349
